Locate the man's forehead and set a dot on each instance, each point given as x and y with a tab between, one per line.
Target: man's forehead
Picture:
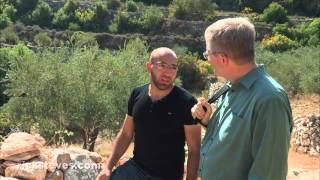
165	59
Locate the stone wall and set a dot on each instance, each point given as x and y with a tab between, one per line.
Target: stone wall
305	136
25	156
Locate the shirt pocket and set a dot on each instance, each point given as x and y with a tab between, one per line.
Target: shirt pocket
232	128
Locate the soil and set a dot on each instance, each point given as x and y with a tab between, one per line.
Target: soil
303	166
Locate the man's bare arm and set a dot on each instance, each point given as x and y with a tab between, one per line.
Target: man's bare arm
193	138
121	144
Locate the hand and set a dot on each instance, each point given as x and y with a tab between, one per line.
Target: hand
198	110
104	174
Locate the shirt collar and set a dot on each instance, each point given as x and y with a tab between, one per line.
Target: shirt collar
247	80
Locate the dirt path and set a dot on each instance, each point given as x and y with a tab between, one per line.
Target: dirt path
302	166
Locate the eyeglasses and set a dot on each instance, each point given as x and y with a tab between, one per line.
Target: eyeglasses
161	65
206	54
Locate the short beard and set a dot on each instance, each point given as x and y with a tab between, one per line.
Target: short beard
158	85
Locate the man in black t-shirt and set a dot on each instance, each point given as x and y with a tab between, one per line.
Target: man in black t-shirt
160	121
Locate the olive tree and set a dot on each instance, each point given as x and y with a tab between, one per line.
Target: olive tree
81	89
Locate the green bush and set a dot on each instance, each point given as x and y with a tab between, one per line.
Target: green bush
74	26
131	6
114	4
10	11
123	22
156	2
152	19
42	39
99	19
66	14
5	21
8	35
307	34
42	15
248	12
313	32
275	13
191	70
278	43
283	29
24	7
4	68
297	70
85	18
191	9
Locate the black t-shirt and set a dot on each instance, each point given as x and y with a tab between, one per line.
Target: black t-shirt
159	131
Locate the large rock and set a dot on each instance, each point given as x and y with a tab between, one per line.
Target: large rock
56	175
21	146
7	178
82	167
95	157
61	158
30	171
306	135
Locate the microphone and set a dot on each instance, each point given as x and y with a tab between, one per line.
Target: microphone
214	98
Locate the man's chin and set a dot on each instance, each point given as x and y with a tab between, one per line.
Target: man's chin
164	86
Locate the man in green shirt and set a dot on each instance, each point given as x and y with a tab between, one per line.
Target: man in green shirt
248	135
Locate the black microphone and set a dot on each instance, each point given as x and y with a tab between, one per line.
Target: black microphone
214	98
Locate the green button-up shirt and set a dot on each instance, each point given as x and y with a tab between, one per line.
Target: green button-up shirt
248	135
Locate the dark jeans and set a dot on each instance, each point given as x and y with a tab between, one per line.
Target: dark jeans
130	170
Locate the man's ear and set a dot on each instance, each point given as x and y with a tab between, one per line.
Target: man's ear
148	66
225	59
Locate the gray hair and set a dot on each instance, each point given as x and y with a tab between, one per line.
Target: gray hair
233	36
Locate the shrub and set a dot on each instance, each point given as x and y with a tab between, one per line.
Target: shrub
156	2
9	35
275	13
114	4
10	11
191	71
297	70
278	43
313	32
42	15
186	9
284	29
152	19
123	22
24	7
83	40
248	12
42	39
66	14
131	6
74	26
85	18
5	21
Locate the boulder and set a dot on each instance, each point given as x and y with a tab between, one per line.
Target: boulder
21	146
82	167
56	175
30	171
7	178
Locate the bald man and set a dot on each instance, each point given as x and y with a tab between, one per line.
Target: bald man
159	120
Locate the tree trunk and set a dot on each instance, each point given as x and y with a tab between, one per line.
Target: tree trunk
89	136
